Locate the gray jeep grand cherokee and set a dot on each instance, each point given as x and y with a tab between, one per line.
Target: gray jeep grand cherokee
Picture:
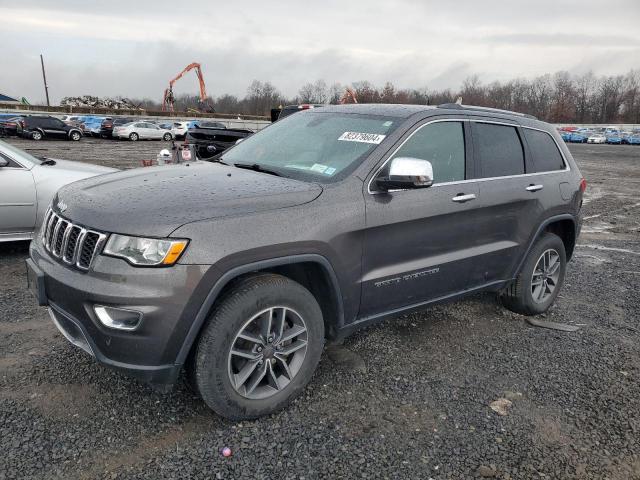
322	223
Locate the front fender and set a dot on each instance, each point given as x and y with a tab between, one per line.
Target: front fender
229	275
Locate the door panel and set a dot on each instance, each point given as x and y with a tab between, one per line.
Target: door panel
507	215
509	210
17	200
419	245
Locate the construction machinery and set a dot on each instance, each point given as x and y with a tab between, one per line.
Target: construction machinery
349	96
168	99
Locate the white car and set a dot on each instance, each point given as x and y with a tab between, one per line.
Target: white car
27	185
142	131
597	138
179	129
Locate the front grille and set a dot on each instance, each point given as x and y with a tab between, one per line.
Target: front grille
70	243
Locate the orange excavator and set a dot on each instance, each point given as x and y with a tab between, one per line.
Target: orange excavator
168	98
349	96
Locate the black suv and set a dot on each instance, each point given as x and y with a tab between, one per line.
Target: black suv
213	138
318	225
38	127
107	125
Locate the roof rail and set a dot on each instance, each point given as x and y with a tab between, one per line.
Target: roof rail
457	106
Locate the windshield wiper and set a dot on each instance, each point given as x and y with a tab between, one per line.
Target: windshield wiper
217	159
257	168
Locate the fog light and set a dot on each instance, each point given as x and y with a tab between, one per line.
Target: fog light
118	318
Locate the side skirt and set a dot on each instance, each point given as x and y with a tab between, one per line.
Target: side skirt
378	317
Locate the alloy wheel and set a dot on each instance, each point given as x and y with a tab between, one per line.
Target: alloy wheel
267	352
546	273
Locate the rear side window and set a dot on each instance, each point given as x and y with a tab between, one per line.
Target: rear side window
499	150
442	143
544	151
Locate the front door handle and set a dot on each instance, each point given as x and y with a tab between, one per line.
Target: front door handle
461	197
534	188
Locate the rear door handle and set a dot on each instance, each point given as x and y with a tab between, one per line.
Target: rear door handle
461	198
534	188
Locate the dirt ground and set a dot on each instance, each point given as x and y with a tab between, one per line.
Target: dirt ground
409	398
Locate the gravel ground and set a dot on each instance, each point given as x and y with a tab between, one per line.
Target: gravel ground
406	399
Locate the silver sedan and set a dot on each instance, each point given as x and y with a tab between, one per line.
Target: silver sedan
142	131
27	185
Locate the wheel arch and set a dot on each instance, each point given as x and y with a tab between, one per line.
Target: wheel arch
313	271
564	226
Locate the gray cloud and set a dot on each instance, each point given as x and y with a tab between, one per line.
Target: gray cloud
134	48
564	39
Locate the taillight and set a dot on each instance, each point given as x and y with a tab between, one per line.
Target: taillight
583	185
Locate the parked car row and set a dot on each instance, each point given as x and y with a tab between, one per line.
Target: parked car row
608	135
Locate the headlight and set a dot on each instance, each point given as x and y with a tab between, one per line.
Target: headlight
145	251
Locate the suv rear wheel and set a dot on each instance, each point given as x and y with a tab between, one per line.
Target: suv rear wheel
260	347
75	136
36	135
166	137
541	278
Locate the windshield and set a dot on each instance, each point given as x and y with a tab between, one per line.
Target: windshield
314	146
20	155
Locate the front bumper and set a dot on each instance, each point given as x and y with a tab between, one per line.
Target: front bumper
166	297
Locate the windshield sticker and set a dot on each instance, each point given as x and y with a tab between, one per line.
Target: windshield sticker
316	167
361	137
330	171
387	124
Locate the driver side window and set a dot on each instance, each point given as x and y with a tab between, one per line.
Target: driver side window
442	144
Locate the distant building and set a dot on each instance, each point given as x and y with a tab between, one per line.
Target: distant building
8	99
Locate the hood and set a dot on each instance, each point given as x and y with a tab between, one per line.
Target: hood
80	167
154	201
49	178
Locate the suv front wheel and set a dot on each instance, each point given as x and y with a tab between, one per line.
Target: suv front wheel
541	278
260	347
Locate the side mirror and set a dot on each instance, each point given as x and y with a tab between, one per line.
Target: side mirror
3	162
406	173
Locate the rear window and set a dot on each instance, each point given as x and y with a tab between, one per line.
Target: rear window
544	151
499	150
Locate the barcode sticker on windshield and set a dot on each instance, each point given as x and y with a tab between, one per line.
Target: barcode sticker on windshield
361	137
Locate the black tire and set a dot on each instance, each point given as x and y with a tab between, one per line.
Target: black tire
75	136
167	137
36	135
211	358
134	137
518	297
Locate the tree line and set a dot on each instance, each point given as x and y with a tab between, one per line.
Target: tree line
557	98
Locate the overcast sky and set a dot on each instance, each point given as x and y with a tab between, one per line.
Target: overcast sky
132	48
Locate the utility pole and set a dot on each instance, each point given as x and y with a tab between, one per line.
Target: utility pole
44	78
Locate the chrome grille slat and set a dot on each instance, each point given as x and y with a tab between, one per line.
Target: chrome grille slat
69	252
45	224
52	227
70	243
61	229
